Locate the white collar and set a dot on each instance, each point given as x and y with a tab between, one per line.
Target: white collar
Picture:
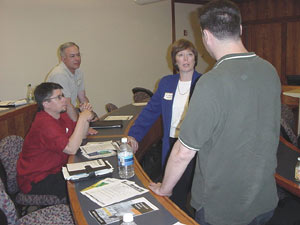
234	57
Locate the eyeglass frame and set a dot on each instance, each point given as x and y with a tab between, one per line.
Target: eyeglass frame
59	97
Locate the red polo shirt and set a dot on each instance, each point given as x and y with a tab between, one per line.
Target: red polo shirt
42	152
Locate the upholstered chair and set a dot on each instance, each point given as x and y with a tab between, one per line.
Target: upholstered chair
141	94
56	214
10	147
110	107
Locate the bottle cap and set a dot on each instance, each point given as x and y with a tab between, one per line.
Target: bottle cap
127	217
124	140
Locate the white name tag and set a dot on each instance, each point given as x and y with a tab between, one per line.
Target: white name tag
67	130
168	96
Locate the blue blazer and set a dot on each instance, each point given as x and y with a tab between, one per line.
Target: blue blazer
160	104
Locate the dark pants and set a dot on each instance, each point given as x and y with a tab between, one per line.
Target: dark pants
259	220
182	189
53	184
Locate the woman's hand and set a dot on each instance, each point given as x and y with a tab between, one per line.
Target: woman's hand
133	143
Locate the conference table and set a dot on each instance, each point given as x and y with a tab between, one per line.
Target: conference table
168	212
17	120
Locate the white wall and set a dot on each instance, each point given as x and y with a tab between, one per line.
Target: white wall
186	18
123	45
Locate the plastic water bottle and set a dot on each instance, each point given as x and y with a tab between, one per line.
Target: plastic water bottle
29	95
125	160
297	170
128	219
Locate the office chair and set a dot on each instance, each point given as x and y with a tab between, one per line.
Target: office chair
10	147
287	122
57	214
110	107
141	94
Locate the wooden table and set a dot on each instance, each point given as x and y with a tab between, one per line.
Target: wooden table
169	212
286	161
17	120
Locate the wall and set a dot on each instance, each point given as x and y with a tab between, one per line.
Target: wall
272	29
186	18
123	45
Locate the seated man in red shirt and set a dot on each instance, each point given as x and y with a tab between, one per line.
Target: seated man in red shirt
53	136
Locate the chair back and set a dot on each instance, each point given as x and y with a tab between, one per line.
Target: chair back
110	107
10	147
287	122
7	206
141	94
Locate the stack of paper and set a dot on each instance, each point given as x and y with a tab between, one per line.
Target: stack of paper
111	190
114	213
94	150
13	103
76	171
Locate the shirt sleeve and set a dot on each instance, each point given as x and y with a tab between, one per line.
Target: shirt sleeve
202	116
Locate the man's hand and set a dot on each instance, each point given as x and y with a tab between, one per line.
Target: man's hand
92	131
157	189
85	106
133	143
86	114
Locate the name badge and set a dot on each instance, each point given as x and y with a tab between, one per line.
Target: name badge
67	130
168	96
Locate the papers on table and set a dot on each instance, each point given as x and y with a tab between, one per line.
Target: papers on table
13	103
140	103
114	213
128	117
77	171
111	190
94	150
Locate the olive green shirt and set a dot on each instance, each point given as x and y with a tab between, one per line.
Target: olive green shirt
233	121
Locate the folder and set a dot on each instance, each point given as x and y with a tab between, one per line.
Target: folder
106	124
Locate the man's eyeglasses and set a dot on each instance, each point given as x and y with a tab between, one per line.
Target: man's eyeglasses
59	97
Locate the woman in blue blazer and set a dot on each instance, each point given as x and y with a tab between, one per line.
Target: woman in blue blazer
171	100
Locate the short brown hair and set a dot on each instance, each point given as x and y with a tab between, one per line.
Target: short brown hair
180	45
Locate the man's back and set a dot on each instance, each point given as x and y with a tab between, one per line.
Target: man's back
237	110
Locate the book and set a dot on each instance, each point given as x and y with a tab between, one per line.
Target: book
106	124
77	171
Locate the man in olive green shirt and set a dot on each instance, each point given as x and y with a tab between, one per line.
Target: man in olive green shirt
233	123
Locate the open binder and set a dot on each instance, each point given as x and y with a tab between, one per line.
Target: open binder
106	124
78	171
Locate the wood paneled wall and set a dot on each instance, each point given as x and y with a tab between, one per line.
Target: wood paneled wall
271	28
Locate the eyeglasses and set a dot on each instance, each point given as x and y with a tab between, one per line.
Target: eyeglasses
59	97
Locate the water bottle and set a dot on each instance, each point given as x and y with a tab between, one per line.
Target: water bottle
297	170
29	95
125	160
128	219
